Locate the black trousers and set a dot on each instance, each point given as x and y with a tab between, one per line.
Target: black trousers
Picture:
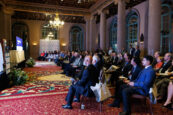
73	91
124	94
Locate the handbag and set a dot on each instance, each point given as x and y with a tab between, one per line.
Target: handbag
101	91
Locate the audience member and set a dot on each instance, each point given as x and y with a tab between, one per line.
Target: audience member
156	55
168	104
82	87
137	52
140	85
132	51
159	64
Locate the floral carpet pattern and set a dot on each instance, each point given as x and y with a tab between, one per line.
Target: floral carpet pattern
43	80
45	93
51	105
32	90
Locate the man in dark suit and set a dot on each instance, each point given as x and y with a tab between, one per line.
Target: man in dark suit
140	85
167	63
136	68
124	70
132	50
132	75
156	55
112	60
159	82
137	52
82	87
127	65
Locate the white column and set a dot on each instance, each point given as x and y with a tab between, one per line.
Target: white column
121	41
92	40
87	26
154	26
102	31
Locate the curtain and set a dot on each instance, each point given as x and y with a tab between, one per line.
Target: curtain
49	45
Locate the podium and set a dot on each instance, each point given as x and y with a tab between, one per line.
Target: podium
16	57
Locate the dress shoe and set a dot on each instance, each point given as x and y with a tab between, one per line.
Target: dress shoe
124	113
76	100
168	106
67	106
114	105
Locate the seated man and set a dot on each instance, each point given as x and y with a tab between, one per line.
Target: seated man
132	75
166	64
156	55
140	85
160	77
70	69
82	87
113	59
163	84
124	70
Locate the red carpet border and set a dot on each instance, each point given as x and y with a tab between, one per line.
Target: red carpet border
51	106
32	90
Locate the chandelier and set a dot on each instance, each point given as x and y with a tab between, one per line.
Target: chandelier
56	22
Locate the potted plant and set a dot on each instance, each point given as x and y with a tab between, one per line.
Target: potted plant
30	62
17	77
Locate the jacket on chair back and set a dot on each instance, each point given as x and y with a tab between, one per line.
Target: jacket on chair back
89	78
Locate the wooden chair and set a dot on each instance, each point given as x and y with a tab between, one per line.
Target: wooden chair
92	97
146	99
90	100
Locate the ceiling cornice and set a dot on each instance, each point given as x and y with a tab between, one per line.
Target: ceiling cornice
42	8
101	4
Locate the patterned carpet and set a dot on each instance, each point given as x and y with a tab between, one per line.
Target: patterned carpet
46	91
42	82
50	105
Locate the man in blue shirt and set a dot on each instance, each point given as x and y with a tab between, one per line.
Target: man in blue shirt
140	85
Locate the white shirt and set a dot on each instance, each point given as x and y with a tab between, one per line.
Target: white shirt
147	66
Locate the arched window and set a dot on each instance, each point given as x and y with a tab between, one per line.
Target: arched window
49	32
166	25
21	30
76	38
113	34
132	29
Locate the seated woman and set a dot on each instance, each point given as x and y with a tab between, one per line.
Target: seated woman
158	64
168	104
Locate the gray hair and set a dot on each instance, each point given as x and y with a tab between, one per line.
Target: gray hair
96	57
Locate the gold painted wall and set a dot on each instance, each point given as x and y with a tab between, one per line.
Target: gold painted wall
35	35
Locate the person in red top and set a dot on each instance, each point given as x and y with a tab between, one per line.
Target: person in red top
42	54
159	63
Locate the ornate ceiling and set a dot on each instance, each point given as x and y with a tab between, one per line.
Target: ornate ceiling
70	3
47	17
69	10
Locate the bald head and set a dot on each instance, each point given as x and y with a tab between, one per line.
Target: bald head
167	56
95	59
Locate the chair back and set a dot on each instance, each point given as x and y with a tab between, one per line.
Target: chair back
102	76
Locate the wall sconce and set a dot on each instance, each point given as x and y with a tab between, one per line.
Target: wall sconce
63	44
34	43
